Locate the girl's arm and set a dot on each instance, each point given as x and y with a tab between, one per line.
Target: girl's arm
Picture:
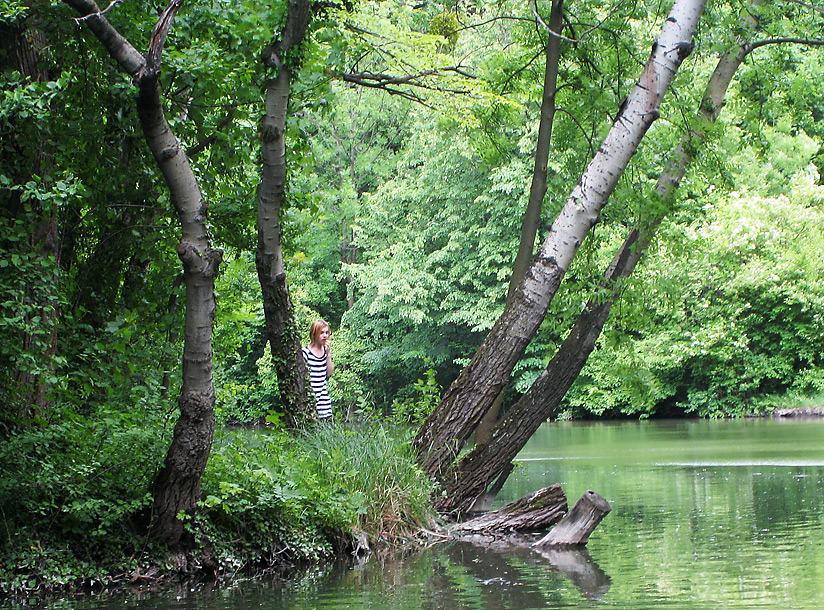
330	367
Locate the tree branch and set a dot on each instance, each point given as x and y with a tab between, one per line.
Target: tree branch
158	38
411	79
809	6
99	13
803	41
208	141
390	83
118	47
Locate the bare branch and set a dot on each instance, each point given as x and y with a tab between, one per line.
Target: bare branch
577	39
411	79
351	78
208	141
802	41
546	27
112	4
809	6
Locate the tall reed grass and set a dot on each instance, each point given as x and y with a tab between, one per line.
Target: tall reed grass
377	466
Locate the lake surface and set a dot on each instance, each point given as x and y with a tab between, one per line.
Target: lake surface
705	515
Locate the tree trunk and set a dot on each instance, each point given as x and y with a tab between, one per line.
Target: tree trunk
579	523
177	488
537	190
281	328
443	434
21	50
485	463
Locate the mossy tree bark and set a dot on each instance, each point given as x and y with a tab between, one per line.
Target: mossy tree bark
281	327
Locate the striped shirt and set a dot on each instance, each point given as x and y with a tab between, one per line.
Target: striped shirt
317	381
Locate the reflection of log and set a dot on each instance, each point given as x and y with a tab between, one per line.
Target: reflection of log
536	511
579	567
575	528
497	575
497	558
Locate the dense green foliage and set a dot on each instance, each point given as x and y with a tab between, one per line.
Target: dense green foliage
75	500
403	218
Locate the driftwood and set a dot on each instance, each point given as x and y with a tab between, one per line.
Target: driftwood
575	528
534	512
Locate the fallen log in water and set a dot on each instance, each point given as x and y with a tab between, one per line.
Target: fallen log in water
534	512
575	528
506	531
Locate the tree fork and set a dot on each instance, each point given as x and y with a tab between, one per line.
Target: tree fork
485	462
177	487
472	393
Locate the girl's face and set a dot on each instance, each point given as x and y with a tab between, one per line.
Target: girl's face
324	334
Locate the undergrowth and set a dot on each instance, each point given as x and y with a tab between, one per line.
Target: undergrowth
75	500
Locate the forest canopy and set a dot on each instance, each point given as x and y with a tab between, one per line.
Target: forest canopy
403	211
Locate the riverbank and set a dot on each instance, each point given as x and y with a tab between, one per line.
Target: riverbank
272	505
746	513
272	502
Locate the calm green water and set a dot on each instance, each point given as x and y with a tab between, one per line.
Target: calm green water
706	515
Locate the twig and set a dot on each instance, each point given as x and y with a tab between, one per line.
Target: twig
99	13
802	41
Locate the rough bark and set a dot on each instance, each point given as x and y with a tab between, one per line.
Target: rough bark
466	401
537	190
281	328
534	512
489	461
578	524
177	488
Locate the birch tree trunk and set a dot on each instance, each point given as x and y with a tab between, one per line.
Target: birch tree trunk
443	434
487	462
281	328
177	487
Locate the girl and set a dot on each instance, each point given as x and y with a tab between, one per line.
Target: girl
318	358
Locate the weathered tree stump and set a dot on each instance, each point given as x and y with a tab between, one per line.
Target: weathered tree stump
533	512
575	528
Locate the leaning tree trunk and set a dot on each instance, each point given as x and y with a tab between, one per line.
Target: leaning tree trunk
537	189
443	434
177	488
487	462
281	327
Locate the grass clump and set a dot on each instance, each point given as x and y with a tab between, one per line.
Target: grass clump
377	468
